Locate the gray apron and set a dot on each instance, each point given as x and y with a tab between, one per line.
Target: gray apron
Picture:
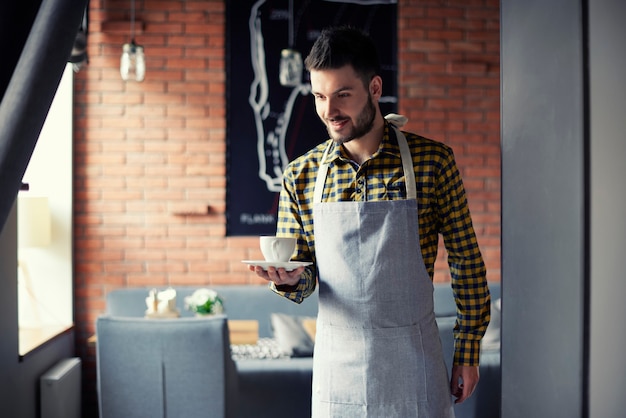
377	347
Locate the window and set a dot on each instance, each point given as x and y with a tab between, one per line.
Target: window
45	276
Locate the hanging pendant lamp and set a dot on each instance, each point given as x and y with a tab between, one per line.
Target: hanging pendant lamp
132	62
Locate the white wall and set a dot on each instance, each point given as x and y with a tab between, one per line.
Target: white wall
607	65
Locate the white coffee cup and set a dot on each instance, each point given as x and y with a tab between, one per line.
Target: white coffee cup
277	248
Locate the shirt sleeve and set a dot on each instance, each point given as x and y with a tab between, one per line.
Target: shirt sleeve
467	268
291	224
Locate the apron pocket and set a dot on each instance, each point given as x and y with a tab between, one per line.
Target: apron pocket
382	366
339	367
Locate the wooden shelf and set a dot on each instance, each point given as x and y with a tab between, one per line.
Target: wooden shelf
208	212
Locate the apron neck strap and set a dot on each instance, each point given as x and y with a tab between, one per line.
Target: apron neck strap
407	166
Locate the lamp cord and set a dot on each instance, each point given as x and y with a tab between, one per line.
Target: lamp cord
132	21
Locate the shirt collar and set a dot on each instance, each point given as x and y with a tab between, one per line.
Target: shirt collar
389	145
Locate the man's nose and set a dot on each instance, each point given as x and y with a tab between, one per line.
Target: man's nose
330	108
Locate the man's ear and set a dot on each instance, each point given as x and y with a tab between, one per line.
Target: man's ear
376	87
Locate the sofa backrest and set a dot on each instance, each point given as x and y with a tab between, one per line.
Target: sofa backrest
256	302
240	302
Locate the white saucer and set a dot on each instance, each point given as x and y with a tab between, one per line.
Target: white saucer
287	265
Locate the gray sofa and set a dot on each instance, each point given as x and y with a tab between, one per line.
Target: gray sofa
281	387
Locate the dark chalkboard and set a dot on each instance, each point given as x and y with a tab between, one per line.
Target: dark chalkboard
271	116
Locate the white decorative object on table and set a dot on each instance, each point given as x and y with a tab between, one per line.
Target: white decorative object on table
162	304
204	302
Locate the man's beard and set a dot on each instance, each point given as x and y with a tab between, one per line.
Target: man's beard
363	124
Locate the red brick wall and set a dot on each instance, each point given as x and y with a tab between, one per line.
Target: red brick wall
450	90
146	152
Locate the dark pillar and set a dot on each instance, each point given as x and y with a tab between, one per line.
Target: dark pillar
30	88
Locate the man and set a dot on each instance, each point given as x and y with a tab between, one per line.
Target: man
367	207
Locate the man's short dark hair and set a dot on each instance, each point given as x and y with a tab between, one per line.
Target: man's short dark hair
340	46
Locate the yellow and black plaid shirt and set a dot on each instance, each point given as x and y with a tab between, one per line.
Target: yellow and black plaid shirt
442	208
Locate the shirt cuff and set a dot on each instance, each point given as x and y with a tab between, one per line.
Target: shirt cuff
297	292
466	352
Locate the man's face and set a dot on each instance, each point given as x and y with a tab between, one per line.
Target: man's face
343	103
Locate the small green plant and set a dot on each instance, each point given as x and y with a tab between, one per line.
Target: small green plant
204	302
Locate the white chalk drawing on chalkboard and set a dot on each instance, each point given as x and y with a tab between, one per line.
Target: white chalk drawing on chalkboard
271	139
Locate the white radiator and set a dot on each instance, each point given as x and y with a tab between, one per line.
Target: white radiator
61	390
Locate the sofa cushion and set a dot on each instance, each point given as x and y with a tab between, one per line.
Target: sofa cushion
263	349
310	325
291	335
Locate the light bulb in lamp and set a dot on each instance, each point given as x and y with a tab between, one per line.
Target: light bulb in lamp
132	62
